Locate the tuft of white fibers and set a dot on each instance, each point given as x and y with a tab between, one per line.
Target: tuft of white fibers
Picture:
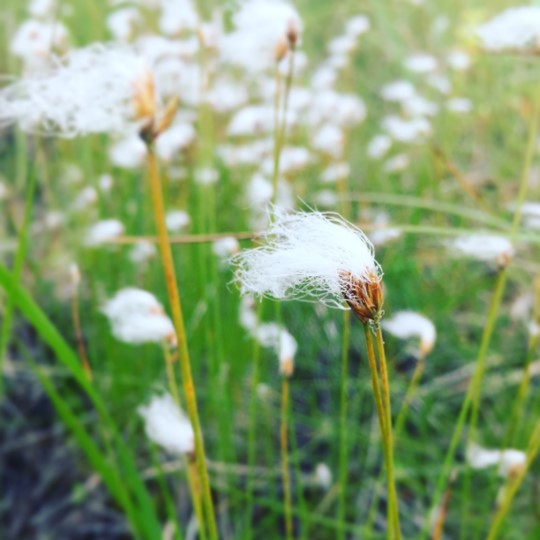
458	60
142	252
177	15
167	425
129	152
508	461
292	158
137	317
439	82
247	315
421	63
357	25
335	172
35	40
277	338
177	220
403	130
261	28
384	235
89	90
408	324
122	23
378	146
329	139
484	247
397	163
42	9
516	28
311	256
102	231
323	475
419	106
206	176
398	91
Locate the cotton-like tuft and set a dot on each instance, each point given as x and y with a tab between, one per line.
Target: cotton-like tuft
102	231
516	28
484	247
407	324
167	425
137	317
89	90
309	256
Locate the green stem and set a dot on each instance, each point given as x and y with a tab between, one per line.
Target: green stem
284	443
389	443
252	427
407	400
178	320
343	449
514	484
473	391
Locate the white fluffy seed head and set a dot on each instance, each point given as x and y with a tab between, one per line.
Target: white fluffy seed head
516	28
167	425
137	317
484	247
311	256
408	324
90	90
508	461
102	231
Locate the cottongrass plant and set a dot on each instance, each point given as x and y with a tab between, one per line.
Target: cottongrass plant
110	89
321	257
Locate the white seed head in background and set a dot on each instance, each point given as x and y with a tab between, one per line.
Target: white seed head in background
409	324
167	425
137	317
103	231
508	461
484	247
97	89
516	28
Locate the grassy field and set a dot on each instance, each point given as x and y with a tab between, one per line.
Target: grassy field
75	459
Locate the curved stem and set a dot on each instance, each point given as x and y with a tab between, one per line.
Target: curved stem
178	320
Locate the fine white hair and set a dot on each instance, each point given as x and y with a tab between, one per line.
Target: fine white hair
89	90
309	256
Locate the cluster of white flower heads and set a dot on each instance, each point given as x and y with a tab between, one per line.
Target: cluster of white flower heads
309	256
167	425
89	90
137	317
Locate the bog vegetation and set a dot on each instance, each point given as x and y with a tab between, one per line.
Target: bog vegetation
269	270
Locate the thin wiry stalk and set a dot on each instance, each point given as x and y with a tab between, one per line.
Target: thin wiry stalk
284	444
171	377
280	132
78	331
514	484
389	443
178	320
195	490
343	449
409	395
252	427
473	391
383	419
